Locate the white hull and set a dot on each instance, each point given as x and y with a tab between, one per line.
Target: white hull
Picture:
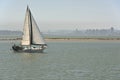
30	50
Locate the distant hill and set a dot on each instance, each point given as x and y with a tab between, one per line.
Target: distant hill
67	33
7	33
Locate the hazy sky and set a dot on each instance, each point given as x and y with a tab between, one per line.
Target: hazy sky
61	14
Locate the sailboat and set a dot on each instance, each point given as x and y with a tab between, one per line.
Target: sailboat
32	39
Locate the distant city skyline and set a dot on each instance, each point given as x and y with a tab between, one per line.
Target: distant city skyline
61	14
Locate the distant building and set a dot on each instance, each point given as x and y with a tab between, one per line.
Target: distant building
112	29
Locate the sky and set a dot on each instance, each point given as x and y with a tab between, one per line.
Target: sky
61	14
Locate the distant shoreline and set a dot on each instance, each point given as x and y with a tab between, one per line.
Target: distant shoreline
69	39
81	39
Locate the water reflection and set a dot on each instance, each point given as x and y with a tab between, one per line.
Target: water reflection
29	57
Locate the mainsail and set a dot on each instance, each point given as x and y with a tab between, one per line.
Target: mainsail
31	32
36	34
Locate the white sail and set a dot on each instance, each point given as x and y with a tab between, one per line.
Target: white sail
31	32
26	29
36	34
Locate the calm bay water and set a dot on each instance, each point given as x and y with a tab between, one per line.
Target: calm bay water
99	60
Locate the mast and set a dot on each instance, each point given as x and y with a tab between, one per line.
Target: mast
31	33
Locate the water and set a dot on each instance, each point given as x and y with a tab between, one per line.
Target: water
99	60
